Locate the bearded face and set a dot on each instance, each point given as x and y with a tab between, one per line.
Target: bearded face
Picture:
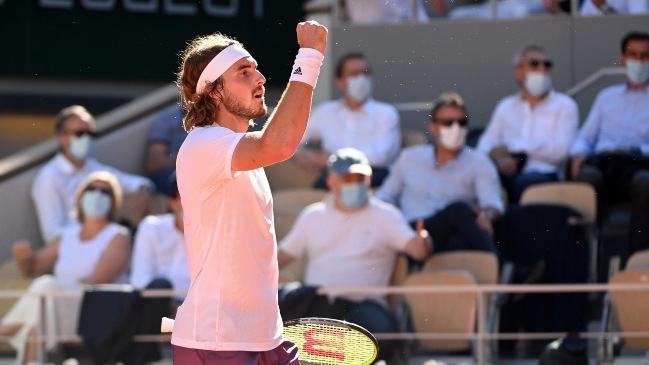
239	107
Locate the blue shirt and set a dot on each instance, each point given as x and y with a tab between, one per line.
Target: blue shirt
618	119
422	189
168	128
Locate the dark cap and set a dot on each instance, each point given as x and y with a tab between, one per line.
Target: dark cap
347	161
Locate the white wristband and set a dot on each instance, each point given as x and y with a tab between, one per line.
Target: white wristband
307	66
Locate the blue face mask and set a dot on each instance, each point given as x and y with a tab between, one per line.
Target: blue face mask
354	195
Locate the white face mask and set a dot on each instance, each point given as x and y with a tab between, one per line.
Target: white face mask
453	137
359	87
95	204
537	83
80	146
637	71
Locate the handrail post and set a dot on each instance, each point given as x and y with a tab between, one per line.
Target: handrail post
480	341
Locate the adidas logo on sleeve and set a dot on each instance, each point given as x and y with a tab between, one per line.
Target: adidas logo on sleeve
298	71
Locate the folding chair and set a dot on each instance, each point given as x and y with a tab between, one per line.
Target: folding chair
629	309
483	266
579	196
638	261
453	314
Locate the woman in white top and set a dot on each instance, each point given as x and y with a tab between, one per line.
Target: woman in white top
96	251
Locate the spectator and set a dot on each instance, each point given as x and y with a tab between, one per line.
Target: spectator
56	182
505	9
358	248
384	11
602	7
453	189
96	251
356	121
612	146
159	262
164	140
530	133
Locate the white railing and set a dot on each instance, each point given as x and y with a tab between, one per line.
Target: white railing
481	336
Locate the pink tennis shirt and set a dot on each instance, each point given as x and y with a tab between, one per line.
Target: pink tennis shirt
231	249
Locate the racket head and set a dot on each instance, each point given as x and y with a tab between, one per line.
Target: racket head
326	341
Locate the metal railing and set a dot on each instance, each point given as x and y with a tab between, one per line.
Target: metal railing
480	335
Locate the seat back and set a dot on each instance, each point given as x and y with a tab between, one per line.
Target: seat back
577	195
638	261
290	175
287	205
399	275
631	307
442	313
482	265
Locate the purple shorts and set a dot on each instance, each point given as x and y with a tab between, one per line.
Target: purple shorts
284	354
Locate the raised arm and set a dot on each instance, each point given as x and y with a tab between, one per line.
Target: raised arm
284	130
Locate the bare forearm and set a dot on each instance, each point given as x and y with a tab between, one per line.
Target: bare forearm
285	128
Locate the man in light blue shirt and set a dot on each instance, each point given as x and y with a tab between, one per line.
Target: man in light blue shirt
455	190
612	148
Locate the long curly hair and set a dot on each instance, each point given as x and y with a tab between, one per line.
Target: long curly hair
200	109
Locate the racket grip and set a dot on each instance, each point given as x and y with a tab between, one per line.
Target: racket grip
166	325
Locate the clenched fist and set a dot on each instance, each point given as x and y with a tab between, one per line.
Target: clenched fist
311	34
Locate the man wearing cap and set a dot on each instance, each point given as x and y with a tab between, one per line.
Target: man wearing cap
455	190
351	240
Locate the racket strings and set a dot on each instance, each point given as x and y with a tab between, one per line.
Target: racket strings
331	345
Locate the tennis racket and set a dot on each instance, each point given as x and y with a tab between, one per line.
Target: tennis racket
324	341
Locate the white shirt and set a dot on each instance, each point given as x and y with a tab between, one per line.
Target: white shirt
55	187
357	249
384	11
372	129
421	189
618	119
159	252
231	249
620	7
77	259
544	132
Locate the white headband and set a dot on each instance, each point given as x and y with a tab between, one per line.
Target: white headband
219	64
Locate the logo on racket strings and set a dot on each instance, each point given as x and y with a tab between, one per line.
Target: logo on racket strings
325	343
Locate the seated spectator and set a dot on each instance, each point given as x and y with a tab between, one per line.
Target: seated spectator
384	11
453	189
55	184
611	148
505	9
95	251
602	7
159	262
530	133
356	120
358	248
164	140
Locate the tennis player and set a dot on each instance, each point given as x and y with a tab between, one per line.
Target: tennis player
230	315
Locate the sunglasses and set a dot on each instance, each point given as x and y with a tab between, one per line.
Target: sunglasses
83	133
106	191
536	63
449	122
